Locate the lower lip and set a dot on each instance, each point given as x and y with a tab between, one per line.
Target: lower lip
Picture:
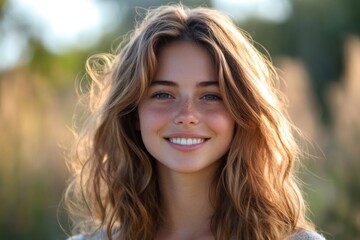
186	148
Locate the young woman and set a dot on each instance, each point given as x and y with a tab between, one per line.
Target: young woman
187	138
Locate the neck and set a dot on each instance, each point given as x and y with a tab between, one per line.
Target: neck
185	202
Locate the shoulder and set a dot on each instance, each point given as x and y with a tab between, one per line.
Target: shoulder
97	235
76	237
307	235
87	236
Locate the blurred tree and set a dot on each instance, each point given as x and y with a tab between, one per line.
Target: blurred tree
315	32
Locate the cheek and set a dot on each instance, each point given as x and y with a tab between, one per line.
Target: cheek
151	118
221	122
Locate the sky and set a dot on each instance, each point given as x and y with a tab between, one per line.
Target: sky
62	25
271	10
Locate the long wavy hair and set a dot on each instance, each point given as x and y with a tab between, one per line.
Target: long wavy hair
115	187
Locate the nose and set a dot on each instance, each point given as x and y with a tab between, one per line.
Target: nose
187	113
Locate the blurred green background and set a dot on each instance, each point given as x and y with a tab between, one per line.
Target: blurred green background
43	47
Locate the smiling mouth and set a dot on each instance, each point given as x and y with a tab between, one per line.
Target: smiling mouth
186	141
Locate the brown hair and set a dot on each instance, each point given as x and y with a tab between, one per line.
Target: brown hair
255	195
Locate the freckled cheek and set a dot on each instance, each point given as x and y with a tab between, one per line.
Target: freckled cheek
152	117
219	120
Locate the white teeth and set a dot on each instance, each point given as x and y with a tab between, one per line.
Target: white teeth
186	141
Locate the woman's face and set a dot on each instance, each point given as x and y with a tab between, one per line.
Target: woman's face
183	121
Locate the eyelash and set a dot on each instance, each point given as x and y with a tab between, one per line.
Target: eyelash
165	95
161	95
214	97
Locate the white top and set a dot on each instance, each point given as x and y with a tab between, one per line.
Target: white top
303	235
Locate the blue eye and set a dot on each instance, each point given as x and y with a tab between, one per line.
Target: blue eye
161	95
211	97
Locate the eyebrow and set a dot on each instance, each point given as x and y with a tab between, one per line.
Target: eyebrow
174	84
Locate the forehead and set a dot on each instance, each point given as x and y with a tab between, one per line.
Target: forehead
185	60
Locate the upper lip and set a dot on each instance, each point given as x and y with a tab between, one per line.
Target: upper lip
186	135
